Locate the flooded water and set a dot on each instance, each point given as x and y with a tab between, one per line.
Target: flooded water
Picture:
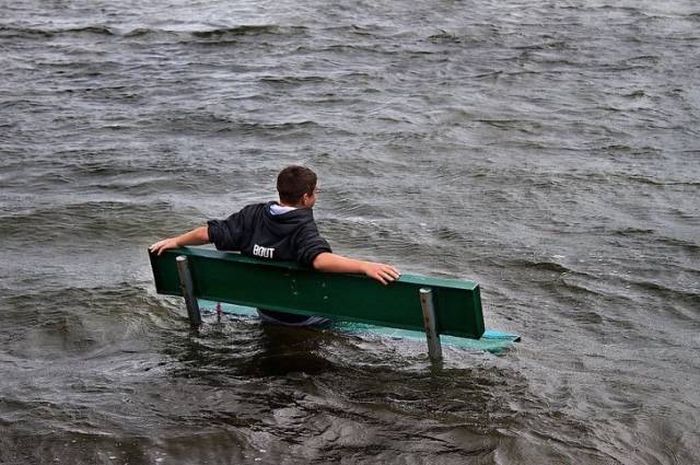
547	149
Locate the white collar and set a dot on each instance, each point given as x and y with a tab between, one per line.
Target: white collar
277	209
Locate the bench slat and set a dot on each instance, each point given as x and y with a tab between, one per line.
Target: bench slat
286	286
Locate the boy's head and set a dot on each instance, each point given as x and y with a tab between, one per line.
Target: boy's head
297	186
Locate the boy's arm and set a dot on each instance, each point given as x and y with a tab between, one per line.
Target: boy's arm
332	263
197	236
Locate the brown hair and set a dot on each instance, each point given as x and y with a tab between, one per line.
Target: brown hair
295	181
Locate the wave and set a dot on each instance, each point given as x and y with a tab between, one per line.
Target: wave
444	37
250	30
81	321
22	32
216	34
291	80
220	36
656	182
671	294
90	221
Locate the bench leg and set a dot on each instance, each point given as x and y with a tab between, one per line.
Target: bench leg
430	323
183	271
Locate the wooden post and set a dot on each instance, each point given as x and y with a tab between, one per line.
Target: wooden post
430	324
183	271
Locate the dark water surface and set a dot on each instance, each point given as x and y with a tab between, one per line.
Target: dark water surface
547	149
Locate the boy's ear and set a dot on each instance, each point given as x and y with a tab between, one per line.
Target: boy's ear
306	200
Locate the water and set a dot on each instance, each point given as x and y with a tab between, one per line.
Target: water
548	150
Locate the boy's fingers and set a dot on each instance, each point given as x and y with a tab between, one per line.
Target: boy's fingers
157	248
377	275
386	276
392	273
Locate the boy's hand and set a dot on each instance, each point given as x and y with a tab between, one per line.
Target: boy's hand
329	262
382	272
161	246
197	236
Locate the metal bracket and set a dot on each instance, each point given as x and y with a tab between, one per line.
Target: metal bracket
183	271
430	324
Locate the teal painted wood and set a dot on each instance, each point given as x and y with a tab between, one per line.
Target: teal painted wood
493	340
289	287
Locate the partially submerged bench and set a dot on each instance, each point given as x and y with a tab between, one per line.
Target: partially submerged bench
436	305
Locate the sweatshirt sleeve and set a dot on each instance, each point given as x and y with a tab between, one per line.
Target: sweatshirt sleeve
310	244
226	234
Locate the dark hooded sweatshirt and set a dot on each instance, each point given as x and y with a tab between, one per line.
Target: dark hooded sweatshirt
256	232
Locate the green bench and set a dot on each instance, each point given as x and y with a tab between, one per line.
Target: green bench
434	305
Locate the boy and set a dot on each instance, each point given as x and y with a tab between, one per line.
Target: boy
283	230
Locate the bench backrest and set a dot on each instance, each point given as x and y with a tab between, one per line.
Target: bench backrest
287	287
